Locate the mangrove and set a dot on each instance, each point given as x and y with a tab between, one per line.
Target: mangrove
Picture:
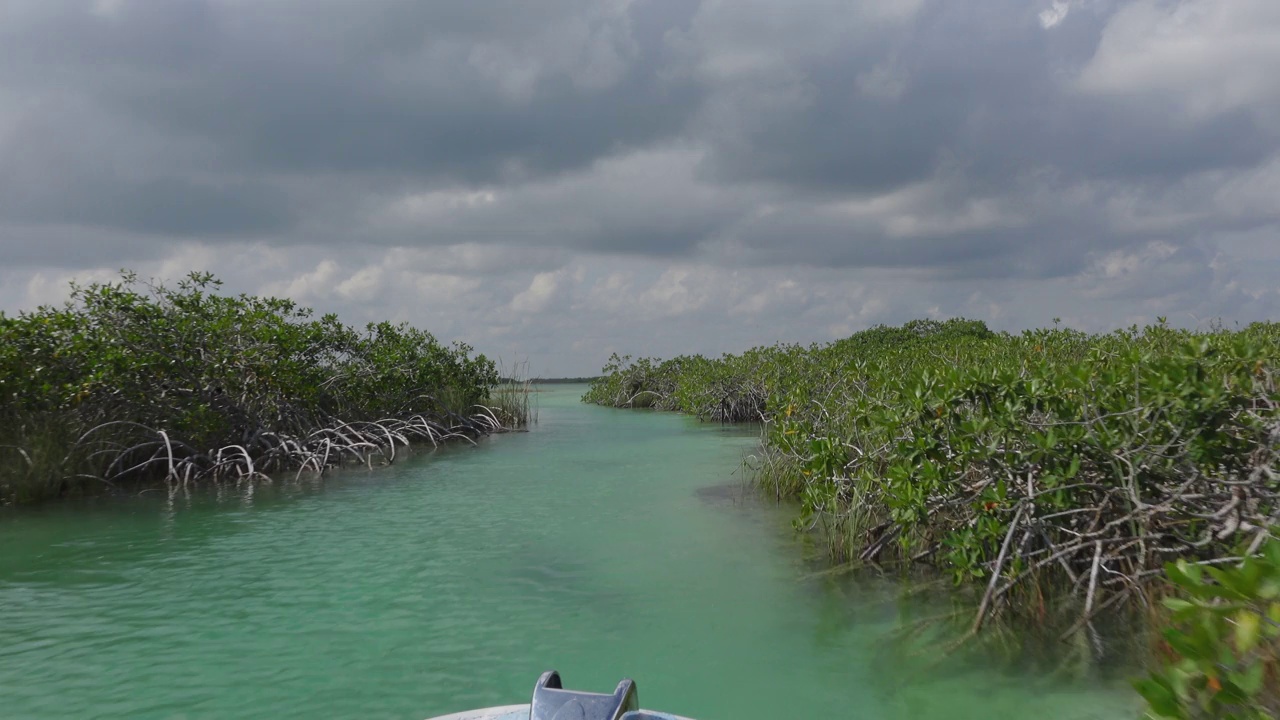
1060	474
132	382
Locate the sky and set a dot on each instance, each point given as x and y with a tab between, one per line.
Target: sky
558	180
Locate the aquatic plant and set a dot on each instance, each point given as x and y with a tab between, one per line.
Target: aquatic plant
510	399
137	381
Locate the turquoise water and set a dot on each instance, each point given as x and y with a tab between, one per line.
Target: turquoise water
604	544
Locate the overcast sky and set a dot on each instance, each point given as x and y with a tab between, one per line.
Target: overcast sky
555	180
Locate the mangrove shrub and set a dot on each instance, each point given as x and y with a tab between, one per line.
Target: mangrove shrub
1044	466
131	380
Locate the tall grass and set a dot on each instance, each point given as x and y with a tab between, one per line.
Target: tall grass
513	398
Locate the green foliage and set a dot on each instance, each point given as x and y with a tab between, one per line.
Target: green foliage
1224	641
943	442
1060	470
121	362
733	388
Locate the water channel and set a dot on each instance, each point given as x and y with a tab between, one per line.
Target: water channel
604	543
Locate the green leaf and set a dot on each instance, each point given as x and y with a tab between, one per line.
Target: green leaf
1269	589
1183	643
1249	576
1250	680
1160	697
1272	552
1248	624
1229	581
1185	575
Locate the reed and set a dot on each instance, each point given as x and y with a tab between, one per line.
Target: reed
513	399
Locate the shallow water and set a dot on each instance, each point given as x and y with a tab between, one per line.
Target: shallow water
604	544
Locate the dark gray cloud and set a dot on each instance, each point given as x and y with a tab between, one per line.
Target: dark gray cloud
1108	148
473	93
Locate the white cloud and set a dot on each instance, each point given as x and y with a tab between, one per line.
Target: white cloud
936	207
1054	14
734	40
1252	195
476	258
308	284
1123	263
677	291
539	295
1204	57
612	294
425	207
572	317
361	286
439	291
781	296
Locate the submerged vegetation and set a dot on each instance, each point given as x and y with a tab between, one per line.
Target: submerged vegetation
135	382
1055	471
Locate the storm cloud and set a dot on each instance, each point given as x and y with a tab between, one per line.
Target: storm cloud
561	179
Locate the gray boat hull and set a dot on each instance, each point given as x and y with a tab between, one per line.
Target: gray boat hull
521	712
551	701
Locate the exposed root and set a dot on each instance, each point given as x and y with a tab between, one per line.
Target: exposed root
154	452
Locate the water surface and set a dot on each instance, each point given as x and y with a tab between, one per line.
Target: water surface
603	544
